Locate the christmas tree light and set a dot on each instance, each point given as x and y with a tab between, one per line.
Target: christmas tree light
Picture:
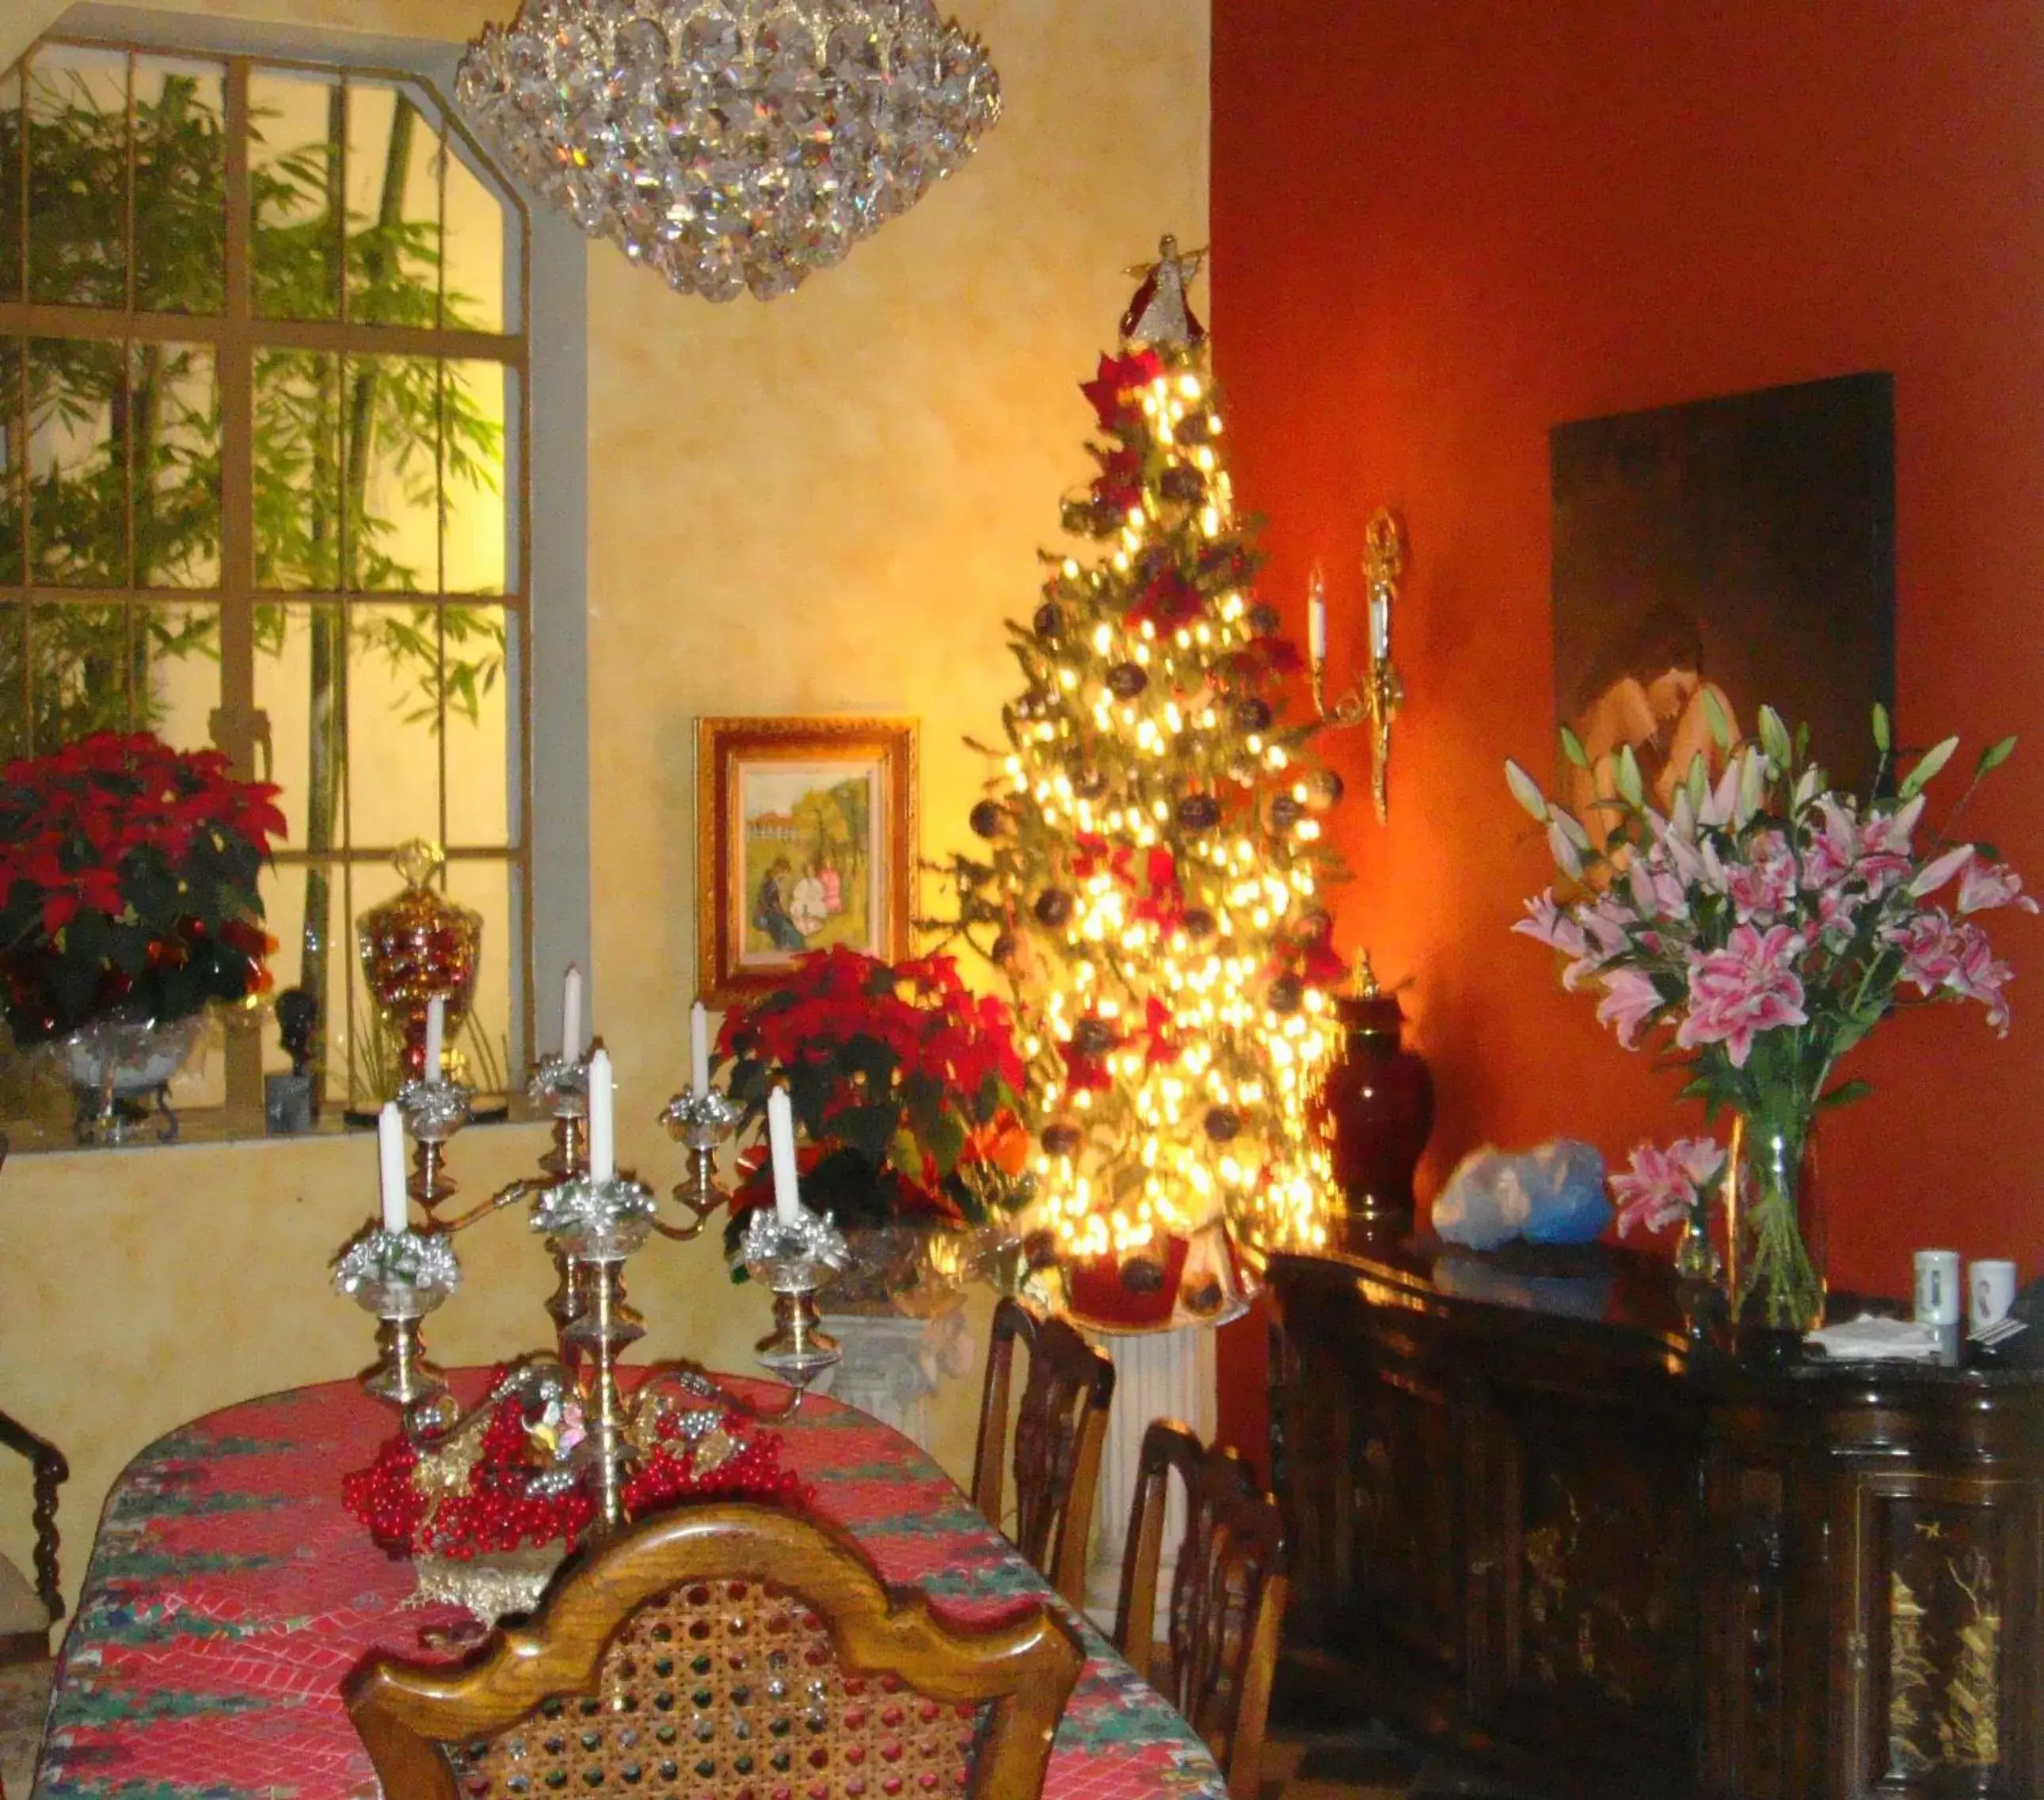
1153	877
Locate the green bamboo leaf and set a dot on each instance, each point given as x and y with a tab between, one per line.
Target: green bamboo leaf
1994	755
1935	758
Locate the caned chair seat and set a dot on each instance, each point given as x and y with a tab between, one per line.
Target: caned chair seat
725	1649
1060	1428
1226	1601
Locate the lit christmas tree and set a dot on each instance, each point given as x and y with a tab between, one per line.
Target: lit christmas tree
1152	878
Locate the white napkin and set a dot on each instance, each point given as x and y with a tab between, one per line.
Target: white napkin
1868	1339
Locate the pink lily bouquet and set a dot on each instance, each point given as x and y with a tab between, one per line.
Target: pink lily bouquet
1755	933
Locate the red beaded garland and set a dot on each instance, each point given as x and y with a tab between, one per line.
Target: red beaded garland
496	1513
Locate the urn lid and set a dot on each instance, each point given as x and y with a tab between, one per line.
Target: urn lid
1366	1007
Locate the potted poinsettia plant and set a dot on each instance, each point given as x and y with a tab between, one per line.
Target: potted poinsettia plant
1754	933
904	1086
128	895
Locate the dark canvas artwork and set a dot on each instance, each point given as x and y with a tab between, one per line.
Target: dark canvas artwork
1743	547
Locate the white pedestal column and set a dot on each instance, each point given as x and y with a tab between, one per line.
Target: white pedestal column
1157	1375
891	1365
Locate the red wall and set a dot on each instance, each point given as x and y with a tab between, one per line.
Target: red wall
1441	227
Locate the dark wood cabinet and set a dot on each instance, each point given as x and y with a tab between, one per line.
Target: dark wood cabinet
1538	1513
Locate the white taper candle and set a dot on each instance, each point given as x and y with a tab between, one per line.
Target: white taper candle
781	1142
436	1036
699	1049
571	1015
602	1119
1316	619
390	1168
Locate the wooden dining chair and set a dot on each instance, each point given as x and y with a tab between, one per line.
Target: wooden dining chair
1227	1600
738	1648
1060	1427
28	1612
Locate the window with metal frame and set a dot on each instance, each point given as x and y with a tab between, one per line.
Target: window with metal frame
263	382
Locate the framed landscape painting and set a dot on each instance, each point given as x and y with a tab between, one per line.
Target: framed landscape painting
805	838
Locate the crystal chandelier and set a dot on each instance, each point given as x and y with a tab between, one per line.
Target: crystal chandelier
730	143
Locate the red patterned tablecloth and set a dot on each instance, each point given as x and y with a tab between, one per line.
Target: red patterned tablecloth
228	1595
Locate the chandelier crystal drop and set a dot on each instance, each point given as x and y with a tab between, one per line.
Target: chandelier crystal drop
730	143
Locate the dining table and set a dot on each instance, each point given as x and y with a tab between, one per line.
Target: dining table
230	1593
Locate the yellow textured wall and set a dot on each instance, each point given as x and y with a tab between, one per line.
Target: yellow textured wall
827	504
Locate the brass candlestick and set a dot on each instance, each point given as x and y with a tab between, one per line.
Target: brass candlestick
433	1111
401	1276
562	1087
702	1122
791	1258
600	1223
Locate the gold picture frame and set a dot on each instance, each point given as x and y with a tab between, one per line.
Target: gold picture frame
805	837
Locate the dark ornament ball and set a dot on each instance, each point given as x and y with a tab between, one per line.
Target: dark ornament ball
990	818
1053	907
1323	789
1198	923
1062	1138
1142	1275
1049	623
1262	620
1094	1038
1285	993
1252	715
1089	783
1182	482
1284	812
1004	948
1222	1123
1126	680
1199	813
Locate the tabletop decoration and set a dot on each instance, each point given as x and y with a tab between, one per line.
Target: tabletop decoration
414	948
1757	931
129	905
605	1459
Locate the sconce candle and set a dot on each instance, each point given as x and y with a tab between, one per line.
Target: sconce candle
602	1119
1316	616
390	1168
780	1141
571	1015
699	1049
436	1037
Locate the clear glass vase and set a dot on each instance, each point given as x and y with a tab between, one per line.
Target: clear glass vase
1774	1226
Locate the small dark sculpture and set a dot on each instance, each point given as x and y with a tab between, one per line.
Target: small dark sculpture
287	1099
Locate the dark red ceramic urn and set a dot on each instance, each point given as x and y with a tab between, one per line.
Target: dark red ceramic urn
1377	1105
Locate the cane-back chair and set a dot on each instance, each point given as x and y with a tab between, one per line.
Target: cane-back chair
1227	1600
736	1649
1060	1428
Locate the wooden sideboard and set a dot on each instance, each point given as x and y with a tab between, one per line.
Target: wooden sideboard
1537	1513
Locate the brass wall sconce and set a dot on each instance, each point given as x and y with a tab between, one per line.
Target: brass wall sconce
1378	697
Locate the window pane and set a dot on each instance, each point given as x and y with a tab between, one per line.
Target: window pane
13	458
78	503
392	485
10	184
298	670
180	185
480	680
78	668
393	692
485	1038
474	239
177	672
14	729
78	176
475	528
298	470
394	247
175	403
295	179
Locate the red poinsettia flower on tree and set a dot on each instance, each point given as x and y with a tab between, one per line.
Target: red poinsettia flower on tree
127	878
